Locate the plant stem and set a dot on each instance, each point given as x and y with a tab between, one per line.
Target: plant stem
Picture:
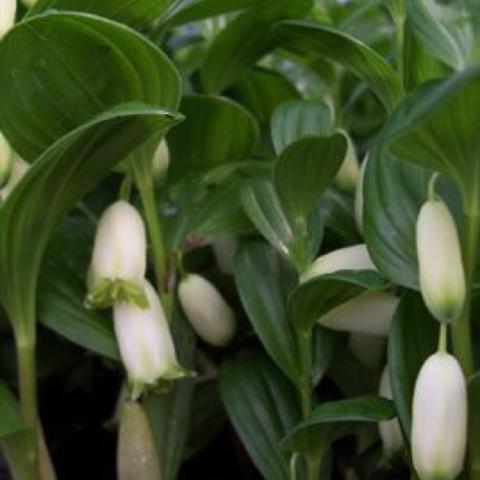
305	345
145	185
462	344
27	383
442	340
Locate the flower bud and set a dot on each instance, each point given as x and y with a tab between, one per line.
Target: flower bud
208	313
8	9
119	261
137	456
224	250
29	3
439	422
389	430
19	169
442	278
145	342
161	161
358	206
370	312
369	349
348	175
6	160
348	258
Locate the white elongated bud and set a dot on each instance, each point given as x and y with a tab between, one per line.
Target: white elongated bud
119	258
8	9
208	313
161	161
6	159
19	169
369	349
439	422
442	278
370	312
389	430
349	173
145	342
348	258
224	250
137	456
358	206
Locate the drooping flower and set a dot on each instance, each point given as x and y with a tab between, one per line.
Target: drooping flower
118	264
358	206
370	313
8	9
137	455
439	422
208	313
349	173
355	257
389	430
145	342
442	277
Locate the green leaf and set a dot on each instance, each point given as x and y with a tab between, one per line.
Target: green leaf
296	240
32	211
61	309
244	40
393	191
369	408
216	131
263	407
428	125
169	412
349	52
413	338
316	297
11	421
188	11
139	14
297	119
263	282
261	91
305	169
59	70
444	30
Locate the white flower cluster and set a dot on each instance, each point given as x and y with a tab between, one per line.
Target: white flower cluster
117	278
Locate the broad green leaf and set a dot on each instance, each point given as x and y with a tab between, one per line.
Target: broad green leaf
428	126
11	421
349	52
337	208
394	191
412	339
419	65
59	70
263	406
244	40
261	91
263	282
169	412
187	11
297	240
297	119
32	211
61	309
316	297
217	130
220	212
369	408
393	194
305	169
139	14
324	343
444	30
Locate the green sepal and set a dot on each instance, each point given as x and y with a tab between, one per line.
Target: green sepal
108	292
